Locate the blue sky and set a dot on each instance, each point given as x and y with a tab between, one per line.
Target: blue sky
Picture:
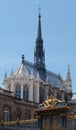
18	31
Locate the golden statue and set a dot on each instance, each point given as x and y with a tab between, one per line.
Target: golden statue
51	102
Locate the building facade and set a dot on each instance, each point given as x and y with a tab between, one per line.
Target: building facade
31	84
12	107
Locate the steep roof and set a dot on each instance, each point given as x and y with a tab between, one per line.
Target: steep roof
27	67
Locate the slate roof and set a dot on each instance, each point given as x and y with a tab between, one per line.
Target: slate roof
53	79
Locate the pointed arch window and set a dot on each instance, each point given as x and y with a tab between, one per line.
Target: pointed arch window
25	93
18	90
6	114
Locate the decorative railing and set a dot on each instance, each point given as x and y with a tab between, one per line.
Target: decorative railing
19	121
20	125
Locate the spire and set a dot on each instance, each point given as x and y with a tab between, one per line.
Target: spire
68	80
39	53
68	74
11	74
68	85
39	34
5	76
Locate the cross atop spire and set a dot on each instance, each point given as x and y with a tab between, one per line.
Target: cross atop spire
39	9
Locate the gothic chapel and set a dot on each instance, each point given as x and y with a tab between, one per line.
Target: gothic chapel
31	84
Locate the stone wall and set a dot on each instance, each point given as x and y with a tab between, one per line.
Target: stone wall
17	107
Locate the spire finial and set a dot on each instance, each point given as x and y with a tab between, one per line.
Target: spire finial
39	11
68	73
5	73
11	72
39	8
5	76
23	59
39	34
68	68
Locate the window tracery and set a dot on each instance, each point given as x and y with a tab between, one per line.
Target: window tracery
25	93
18	90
